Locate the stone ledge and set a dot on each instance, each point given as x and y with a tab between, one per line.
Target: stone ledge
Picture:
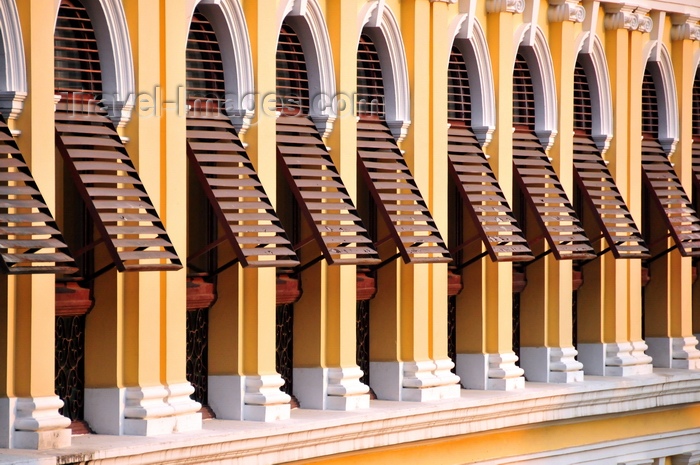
314	433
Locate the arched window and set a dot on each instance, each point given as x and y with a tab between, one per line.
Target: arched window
370	85
663	187
77	61
474	179
292	76
385	173
205	71
595	183
536	177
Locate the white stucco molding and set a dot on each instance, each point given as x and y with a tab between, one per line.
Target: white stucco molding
592	57
468	36
539	61
659	63
116	60
228	21
378	21
566	10
505	6
685	27
13	68
306	17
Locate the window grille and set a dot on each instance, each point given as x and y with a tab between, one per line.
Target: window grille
206	88
292	75
370	85
77	61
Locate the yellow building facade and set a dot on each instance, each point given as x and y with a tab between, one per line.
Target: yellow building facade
270	231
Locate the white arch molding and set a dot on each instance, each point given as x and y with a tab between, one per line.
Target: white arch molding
306	17
378	21
13	68
658	60
539	61
596	68
228	21
469	38
116	60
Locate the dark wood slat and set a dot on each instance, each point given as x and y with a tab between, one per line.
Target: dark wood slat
254	231
681	224
566	245
325	226
119	198
36	245
386	156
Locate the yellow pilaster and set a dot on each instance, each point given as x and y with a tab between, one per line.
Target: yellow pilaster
27	303
437	284
242	322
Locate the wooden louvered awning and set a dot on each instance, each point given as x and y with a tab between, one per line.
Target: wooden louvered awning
668	194
397	196
240	203
602	195
30	241
107	181
545	194
484	198
321	195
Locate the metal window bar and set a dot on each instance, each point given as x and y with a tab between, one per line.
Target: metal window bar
30	242
664	186
596	183
370	85
107	181
537	179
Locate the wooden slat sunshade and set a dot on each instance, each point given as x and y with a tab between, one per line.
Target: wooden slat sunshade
320	193
233	188
30	241
603	197
596	183
545	194
668	195
484	198
108	182
397	196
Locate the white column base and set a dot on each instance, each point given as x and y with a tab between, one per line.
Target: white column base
330	388
104	410
551	364
406	381
345	391
146	411
644	362
225	393
613	359
263	400
495	372
674	352
38	425
449	382
187	415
